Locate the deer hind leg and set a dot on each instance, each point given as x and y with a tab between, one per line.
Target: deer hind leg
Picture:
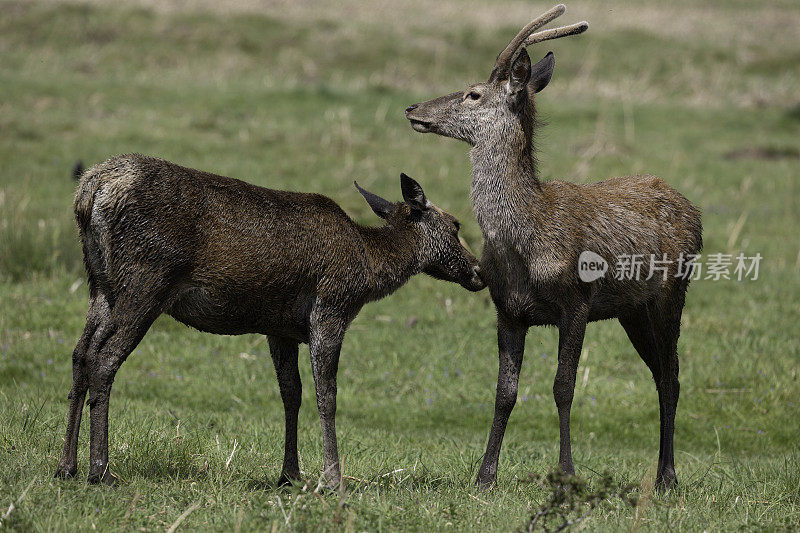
97	315
667	327
570	342
639	329
284	356
131	317
654	334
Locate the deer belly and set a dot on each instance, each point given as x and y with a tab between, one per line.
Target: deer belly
238	314
615	298
517	298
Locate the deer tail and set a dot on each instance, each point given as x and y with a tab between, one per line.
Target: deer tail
89	182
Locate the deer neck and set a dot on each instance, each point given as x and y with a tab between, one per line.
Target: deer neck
392	258
504	183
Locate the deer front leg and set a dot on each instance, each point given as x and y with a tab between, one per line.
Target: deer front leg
570	341
511	346
326	344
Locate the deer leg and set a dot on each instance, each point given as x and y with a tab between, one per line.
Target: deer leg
639	328
666	477
284	357
570	341
511	347
667	329
326	344
128	324
98	312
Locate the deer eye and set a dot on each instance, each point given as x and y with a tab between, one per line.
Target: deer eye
472	95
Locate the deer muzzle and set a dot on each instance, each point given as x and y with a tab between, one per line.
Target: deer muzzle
476	283
417	122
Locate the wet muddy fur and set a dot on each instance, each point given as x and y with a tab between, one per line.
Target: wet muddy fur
227	257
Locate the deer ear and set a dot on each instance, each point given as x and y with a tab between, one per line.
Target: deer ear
541	72
520	72
383	208
413	193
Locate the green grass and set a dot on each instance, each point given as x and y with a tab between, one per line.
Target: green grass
309	99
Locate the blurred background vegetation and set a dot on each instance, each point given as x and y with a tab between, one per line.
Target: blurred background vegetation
309	96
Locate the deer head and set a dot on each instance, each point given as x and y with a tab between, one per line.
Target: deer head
503	105
441	253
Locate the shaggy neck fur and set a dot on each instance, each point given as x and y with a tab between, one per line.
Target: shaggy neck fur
504	173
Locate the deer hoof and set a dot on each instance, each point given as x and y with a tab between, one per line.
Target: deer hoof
65	472
485	482
287	480
665	482
105	478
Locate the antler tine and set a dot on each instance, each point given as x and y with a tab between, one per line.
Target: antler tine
555	33
503	60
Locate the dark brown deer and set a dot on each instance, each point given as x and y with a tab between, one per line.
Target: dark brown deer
535	231
227	257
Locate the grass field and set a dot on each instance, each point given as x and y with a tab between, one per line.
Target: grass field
297	96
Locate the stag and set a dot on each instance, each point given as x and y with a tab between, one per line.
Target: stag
536	231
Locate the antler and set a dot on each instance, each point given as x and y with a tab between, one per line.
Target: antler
555	33
526	37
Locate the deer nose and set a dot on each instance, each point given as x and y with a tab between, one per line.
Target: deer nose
411	108
476	283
